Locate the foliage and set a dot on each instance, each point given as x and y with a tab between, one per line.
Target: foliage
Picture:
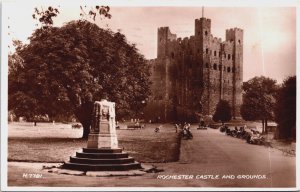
92	13
45	17
285	109
62	67
223	112
258	99
14	60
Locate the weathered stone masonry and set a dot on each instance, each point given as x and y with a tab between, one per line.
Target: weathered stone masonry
191	75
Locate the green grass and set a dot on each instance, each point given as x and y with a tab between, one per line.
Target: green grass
43	146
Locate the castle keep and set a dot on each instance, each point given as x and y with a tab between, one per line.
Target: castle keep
191	75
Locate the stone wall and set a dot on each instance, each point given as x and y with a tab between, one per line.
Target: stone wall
196	71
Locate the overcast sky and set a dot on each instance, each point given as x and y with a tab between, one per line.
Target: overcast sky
269	33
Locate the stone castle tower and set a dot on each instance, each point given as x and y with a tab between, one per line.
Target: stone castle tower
191	75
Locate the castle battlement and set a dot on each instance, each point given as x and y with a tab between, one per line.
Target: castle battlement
216	39
234	29
203	19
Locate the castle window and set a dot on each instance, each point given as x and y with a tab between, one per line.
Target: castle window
206	51
228	69
206	33
207	66
228	56
239	41
215	53
220	67
215	66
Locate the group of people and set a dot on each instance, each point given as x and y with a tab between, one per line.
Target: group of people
184	130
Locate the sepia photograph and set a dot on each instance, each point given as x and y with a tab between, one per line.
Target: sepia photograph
148	96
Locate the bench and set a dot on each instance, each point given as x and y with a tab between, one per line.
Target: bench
135	126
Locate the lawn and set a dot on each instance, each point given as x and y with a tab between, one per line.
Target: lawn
56	143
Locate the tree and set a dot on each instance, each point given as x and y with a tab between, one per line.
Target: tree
285	109
223	112
64	69
259	100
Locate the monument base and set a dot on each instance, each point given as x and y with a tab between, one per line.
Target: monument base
103	159
102	141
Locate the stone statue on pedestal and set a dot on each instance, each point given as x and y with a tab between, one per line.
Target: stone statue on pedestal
103	129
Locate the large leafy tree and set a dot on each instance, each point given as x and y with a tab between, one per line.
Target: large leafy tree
223	112
64	69
259	100
285	109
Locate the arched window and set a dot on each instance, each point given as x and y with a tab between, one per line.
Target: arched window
239	41
206	33
206	51
215	66
228	56
228	69
215	53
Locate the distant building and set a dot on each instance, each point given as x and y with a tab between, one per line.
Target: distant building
191	75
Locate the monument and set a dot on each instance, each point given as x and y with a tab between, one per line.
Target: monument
103	129
102	152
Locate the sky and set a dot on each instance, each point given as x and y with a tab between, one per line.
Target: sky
269	32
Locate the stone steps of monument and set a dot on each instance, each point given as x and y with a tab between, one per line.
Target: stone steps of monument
102	150
102	167
102	155
101	161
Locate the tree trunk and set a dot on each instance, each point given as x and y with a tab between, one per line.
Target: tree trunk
84	115
86	130
266	126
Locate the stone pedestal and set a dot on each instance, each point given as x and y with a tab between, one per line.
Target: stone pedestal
102	152
103	130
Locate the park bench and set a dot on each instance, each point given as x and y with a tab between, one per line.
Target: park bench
134	126
76	126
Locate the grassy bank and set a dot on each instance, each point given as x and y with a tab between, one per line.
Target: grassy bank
144	145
